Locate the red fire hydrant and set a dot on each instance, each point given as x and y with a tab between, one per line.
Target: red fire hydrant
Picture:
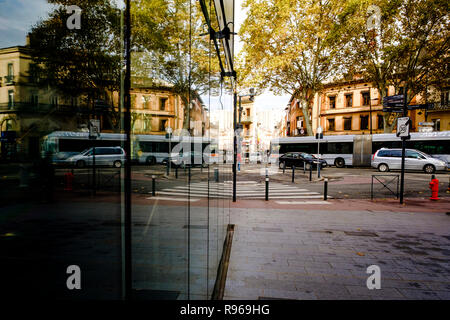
68	180
434	186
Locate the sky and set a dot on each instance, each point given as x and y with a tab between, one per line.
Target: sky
17	17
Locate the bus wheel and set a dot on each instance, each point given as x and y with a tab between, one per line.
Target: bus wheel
81	164
117	164
150	160
383	167
429	168
339	163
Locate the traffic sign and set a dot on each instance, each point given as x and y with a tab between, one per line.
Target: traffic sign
94	128
403	127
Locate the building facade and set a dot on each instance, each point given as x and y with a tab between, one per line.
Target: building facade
356	107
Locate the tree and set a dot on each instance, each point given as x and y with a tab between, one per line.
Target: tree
83	63
170	46
405	47
289	47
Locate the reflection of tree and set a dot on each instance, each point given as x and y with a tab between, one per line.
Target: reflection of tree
166	34
82	63
146	120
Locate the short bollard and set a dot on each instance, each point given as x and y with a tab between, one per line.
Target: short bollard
318	170
216	175
153	185
176	172
189	172
310	171
293	173
304	167
267	188
167	168
325	189
284	166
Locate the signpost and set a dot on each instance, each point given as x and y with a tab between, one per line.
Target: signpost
319	135
94	133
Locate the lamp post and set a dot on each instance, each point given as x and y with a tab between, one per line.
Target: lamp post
169	135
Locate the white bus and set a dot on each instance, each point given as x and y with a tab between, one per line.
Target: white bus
145	149
357	150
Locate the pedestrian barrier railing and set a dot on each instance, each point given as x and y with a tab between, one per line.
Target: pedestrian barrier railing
391	183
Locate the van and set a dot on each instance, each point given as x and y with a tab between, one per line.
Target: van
391	159
104	156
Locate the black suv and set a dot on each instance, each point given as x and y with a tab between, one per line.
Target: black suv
299	159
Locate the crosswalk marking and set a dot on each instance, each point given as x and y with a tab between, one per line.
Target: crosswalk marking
251	190
303	202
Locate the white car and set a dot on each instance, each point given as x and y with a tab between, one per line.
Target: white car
104	156
391	159
255	157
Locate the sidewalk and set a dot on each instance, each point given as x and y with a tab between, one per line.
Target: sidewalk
323	251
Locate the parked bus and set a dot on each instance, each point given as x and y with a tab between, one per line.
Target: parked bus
357	150
145	149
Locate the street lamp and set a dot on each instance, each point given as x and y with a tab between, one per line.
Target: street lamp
169	135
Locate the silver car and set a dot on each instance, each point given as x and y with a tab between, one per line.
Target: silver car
391	159
104	156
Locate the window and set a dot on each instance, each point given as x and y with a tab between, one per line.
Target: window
364	125
331	125
332	102
299	122
437	124
162	125
380	121
348	123
248	112
413	155
54	100
445	97
349	100
34	99
10	77
162	104
10	98
366	98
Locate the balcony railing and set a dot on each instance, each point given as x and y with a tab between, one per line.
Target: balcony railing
246	119
9	80
439	106
41	108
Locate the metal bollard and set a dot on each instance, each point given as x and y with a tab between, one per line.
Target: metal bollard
304	167
310	171
176	172
189	169
153	185
167	168
284	166
216	175
267	188
325	189
293	173
318	170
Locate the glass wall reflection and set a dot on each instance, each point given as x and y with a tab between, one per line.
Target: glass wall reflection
62	121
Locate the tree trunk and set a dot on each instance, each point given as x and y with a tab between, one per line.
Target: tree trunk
186	113
306	117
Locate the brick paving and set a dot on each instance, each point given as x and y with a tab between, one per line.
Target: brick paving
323	254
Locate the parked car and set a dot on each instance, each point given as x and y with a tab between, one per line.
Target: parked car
104	156
391	159
299	159
186	159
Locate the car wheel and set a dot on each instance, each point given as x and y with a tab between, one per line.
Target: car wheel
339	163
81	164
429	168
383	167
282	165
150	160
117	164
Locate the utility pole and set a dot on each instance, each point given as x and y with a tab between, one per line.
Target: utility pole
405	114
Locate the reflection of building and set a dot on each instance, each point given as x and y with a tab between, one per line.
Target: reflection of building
222	128
248	121
28	112
355	107
269	123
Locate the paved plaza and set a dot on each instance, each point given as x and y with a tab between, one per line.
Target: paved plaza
324	254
